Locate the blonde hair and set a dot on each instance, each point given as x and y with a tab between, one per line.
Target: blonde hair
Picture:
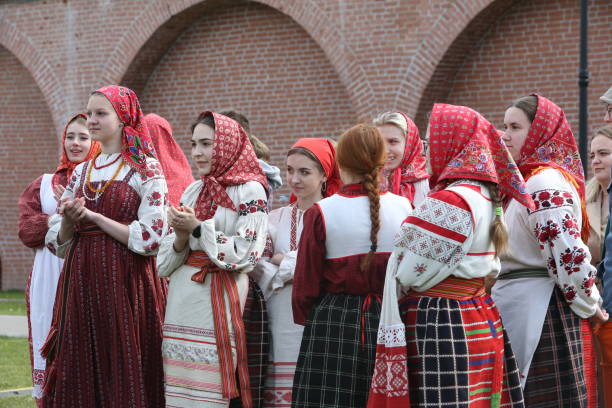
391	118
593	187
262	151
499	232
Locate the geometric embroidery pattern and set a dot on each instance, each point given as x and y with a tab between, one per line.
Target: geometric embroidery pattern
429	246
445	215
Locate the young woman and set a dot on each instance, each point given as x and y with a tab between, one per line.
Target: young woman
36	204
219	236
596	190
175	165
104	346
339	277
450	337
546	287
312	174
405	170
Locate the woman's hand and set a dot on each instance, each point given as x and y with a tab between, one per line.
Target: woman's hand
183	220
277	258
600	317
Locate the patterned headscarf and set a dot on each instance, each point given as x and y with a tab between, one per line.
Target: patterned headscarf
551	143
412	168
325	152
174	163
136	144
233	163
464	145
65	163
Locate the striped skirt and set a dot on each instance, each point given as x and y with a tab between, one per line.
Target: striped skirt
556	375
336	359
459	354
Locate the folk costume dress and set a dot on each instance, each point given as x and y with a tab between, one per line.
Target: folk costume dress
546	287
204	346
284	230
444	344
104	346
410	179
36	204
338	304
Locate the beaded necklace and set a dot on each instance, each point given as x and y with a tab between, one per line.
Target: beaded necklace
98	191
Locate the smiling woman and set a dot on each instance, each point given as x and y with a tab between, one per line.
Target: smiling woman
36	204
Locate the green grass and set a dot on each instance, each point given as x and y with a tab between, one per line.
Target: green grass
14	363
15	304
21	401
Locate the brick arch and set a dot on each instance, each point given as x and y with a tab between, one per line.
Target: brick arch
28	148
441	51
162	21
43	74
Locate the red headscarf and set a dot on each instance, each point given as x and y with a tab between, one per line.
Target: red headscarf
136	144
65	163
464	145
413	166
551	143
325	152
174	163
233	163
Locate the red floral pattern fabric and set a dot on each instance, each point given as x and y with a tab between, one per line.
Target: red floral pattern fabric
464	145
136	143
233	163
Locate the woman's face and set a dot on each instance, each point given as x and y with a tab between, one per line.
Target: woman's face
202	143
601	159
77	142
516	128
396	144
102	121
304	176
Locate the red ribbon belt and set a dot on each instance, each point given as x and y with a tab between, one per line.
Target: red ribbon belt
223	282
454	288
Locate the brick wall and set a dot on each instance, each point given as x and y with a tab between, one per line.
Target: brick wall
28	149
296	68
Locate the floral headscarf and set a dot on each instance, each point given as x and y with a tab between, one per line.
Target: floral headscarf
464	145
136	144
233	163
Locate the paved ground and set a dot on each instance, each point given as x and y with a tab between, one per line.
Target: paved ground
13	326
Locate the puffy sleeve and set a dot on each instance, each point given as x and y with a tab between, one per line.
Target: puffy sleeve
242	250
55	221
265	271
309	265
557	229
146	233
32	220
432	241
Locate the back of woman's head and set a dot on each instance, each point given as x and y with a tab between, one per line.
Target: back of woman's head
361	151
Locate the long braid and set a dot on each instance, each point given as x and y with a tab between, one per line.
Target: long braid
499	233
371	185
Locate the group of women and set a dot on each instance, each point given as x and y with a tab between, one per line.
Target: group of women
151	289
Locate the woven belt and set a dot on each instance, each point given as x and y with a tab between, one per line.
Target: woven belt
525	273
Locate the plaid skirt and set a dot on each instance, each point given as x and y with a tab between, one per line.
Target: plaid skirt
459	354
556	375
255	318
337	355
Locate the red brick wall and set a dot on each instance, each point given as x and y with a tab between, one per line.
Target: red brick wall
28	148
534	47
259	62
